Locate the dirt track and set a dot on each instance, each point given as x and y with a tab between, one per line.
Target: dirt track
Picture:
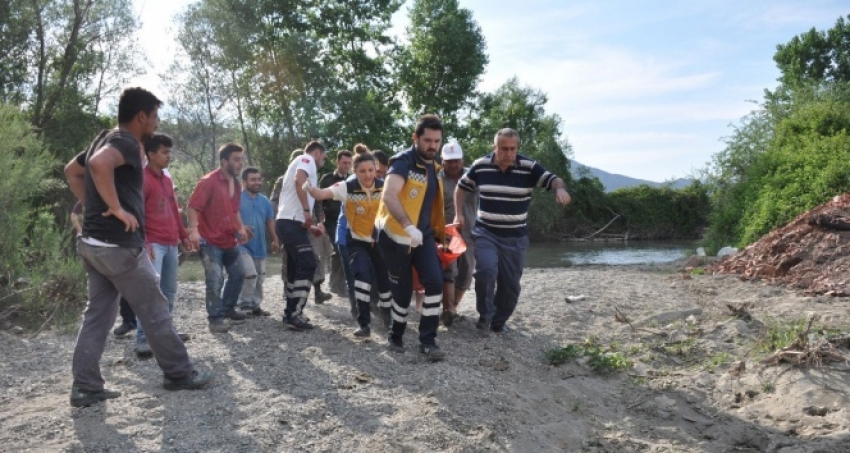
323	390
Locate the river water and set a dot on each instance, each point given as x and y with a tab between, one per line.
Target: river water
565	254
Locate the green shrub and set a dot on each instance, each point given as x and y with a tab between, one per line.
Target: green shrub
37	271
602	360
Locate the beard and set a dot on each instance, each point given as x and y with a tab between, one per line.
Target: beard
231	171
426	154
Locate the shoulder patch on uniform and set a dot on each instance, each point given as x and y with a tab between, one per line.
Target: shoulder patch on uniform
305	160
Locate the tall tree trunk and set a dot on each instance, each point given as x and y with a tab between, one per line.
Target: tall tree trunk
69	59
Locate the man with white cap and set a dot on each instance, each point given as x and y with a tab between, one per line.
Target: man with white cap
458	276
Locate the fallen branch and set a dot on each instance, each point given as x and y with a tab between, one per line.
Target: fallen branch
620	317
616	216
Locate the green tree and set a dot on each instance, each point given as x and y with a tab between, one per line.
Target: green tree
440	67
758	182
816	56
15	26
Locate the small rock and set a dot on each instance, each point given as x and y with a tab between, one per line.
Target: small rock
726	251
17	330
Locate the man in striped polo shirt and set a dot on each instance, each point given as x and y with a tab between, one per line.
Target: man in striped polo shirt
505	181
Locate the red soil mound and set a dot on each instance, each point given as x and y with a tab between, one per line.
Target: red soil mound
812	253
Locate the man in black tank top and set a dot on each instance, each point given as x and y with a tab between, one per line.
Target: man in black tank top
107	178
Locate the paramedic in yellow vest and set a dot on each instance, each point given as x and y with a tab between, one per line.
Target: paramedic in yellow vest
360	196
409	224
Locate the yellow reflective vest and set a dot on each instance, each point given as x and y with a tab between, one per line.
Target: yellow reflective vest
411	197
361	207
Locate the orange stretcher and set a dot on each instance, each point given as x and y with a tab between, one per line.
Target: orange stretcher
448	252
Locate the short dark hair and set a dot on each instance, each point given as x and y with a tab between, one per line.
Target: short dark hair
363	157
227	149
156	141
134	100
382	157
429	121
343	153
313	146
248	171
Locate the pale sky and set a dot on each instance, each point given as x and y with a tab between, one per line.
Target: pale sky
645	88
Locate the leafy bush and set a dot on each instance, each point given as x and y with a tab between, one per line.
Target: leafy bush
601	360
663	212
36	270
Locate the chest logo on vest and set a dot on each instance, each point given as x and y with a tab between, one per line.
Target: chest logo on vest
414	193
360	210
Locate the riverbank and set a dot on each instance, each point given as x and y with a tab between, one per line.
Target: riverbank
324	390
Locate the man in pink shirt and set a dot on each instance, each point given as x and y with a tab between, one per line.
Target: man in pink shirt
164	228
214	224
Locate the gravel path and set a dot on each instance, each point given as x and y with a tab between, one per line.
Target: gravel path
324	390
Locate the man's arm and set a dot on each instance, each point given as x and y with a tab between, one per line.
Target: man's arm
300	177
102	165
561	194
460	195
392	187
75	220
76	175
194	236
242	230
273	234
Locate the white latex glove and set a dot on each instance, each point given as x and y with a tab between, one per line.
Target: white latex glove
307	186
415	235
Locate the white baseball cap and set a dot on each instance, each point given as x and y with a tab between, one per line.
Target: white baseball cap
452	151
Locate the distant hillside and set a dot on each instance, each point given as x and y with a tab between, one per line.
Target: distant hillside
613	181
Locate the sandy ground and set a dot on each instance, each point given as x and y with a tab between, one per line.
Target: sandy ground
324	390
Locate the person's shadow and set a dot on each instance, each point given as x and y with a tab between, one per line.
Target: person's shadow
95	434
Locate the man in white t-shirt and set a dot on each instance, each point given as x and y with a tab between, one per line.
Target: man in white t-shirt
294	220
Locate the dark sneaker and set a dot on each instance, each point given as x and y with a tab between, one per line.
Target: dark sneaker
396	346
82	398
219	327
447	318
363	332
482	324
296	323
143	350
260	312
197	380
322	297
432	352
235	316
184	336
123	330
500	328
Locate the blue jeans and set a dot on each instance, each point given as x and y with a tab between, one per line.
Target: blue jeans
498	268
216	260
165	265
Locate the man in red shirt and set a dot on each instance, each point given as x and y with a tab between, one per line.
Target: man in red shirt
164	228
214	224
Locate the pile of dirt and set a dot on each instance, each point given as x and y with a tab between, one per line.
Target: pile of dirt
811	253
